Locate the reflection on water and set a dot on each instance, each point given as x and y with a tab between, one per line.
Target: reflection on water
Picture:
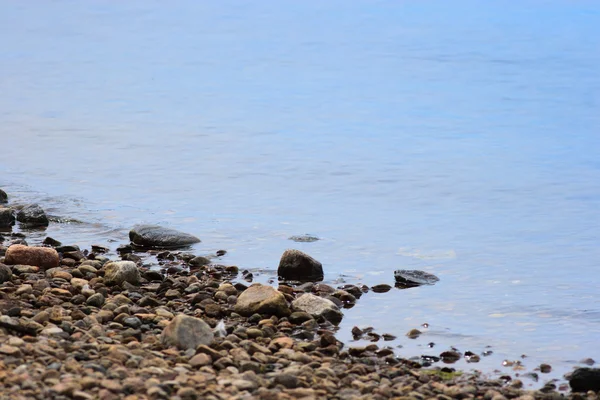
461	140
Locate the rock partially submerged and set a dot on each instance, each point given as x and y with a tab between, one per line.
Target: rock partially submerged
3	197
43	257
318	307
185	332
32	216
262	299
158	237
304	238
585	379
409	278
296	265
7	217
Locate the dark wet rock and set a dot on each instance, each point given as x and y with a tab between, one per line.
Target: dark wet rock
345	297
95	300
125	249
67	248
185	332
322	288
117	272
48	241
199	261
334	300
299	317
43	257
414	333
3	197
471	357
262	299
357	333
410	278
74	255
131	257
585	379
296	265
304	238
32	215
450	357
5	273
287	380
153	275
545	368
221	253
353	290
381	288
158	237
96	248
7	217
318	307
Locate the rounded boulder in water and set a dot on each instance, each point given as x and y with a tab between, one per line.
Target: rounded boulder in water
158	237
296	265
32	215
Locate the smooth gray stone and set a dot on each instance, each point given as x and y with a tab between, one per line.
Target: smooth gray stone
158	237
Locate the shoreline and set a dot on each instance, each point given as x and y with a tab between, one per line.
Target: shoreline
72	331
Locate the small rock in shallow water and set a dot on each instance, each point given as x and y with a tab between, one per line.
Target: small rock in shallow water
154	236
3	196
472	357
51	242
296	265
450	357
382	288
99	249
199	261
357	333
410	278
43	257
413	333
545	368
304	238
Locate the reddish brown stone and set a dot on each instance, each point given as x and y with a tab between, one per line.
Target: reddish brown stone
43	257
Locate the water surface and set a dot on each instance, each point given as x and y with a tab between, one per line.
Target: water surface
458	138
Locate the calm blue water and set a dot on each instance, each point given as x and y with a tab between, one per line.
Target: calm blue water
461	138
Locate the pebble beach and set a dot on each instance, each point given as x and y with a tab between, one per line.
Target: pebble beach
90	323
